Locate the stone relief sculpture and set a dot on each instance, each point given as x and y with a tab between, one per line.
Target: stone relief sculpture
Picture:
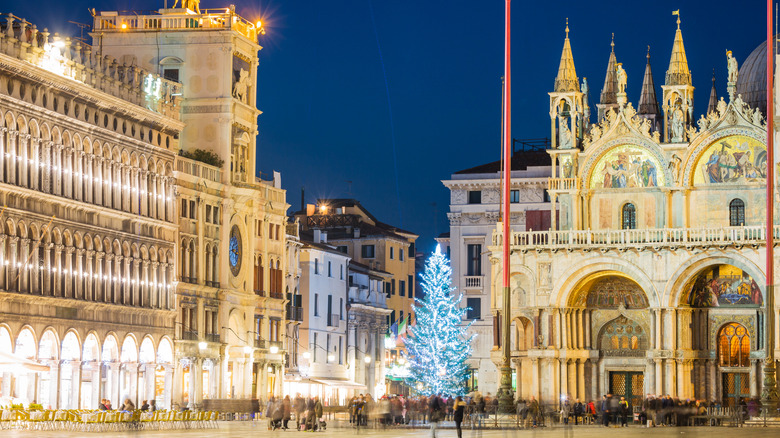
722	105
676	166
595	133
733	69
677	125
241	86
757	117
703	123
565	140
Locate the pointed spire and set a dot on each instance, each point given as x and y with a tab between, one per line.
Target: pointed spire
713	105
609	92
678	73
567	74
648	102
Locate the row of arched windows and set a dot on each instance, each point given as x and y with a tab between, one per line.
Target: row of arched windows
58	263
736	214
189	262
75	167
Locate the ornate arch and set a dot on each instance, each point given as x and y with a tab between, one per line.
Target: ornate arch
701	143
692	267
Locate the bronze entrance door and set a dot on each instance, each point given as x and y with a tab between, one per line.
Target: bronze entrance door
736	386
628	384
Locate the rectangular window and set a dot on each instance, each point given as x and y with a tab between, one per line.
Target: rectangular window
402	288
392	318
215	216
192	210
341	272
392	287
327	349
341	309
259	226
341	359
411	250
330	270
474	259
316	266
401	254
330	304
342	248
316	304
411	286
172	74
514	196
367	251
208	213
392	253
183	208
475	309
314	349
475	197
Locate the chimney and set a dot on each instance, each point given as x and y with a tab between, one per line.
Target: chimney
356	233
317	235
324	237
303	203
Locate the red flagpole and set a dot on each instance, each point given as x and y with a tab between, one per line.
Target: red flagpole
770	147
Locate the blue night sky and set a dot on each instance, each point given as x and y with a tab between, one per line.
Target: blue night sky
395	124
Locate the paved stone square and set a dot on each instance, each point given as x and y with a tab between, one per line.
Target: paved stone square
259	429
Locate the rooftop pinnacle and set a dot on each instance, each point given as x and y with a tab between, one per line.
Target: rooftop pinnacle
567	74
678	72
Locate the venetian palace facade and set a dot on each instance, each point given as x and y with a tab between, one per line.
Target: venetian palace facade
140	256
651	280
87	150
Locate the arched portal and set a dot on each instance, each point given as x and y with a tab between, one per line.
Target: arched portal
48	353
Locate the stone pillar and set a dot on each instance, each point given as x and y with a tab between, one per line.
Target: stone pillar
755	364
595	383
535	383
581	379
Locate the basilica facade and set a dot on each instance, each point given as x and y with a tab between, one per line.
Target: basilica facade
651	278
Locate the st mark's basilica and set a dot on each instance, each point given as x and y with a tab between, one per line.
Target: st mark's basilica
651	279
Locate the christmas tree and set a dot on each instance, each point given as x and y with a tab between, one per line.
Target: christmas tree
438	345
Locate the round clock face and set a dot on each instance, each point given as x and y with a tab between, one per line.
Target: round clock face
235	251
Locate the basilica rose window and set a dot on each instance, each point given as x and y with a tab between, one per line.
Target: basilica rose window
734	346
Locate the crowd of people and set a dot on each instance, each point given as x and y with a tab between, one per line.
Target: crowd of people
308	413
475	410
128	405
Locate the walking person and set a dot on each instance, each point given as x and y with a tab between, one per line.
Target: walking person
300	406
437	408
577	410
623	409
605	411
458	409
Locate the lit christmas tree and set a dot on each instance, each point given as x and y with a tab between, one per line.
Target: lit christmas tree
438	345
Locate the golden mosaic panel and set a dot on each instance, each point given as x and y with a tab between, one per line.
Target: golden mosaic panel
734	159
627	166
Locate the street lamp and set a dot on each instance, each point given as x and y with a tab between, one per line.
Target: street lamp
367	359
306	355
274	349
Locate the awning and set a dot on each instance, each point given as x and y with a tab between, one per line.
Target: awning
341	383
13	363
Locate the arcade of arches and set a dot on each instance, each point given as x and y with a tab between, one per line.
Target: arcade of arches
84	368
611	336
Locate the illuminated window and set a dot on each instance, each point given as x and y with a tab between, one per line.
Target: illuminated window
734	346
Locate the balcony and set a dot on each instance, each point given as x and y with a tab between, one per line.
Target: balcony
212	284
473	281
189	335
261	343
259	293
277	295
333	320
212	337
294	313
563	184
655	238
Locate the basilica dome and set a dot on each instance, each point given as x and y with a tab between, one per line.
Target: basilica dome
751	83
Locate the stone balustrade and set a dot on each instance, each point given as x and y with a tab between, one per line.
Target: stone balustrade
78	61
637	238
178	19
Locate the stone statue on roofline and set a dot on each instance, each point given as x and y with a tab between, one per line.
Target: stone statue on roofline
193	5
622	78
733	69
565	135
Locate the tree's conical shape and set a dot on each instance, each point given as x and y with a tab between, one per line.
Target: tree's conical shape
678	72
438	346
648	102
567	75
